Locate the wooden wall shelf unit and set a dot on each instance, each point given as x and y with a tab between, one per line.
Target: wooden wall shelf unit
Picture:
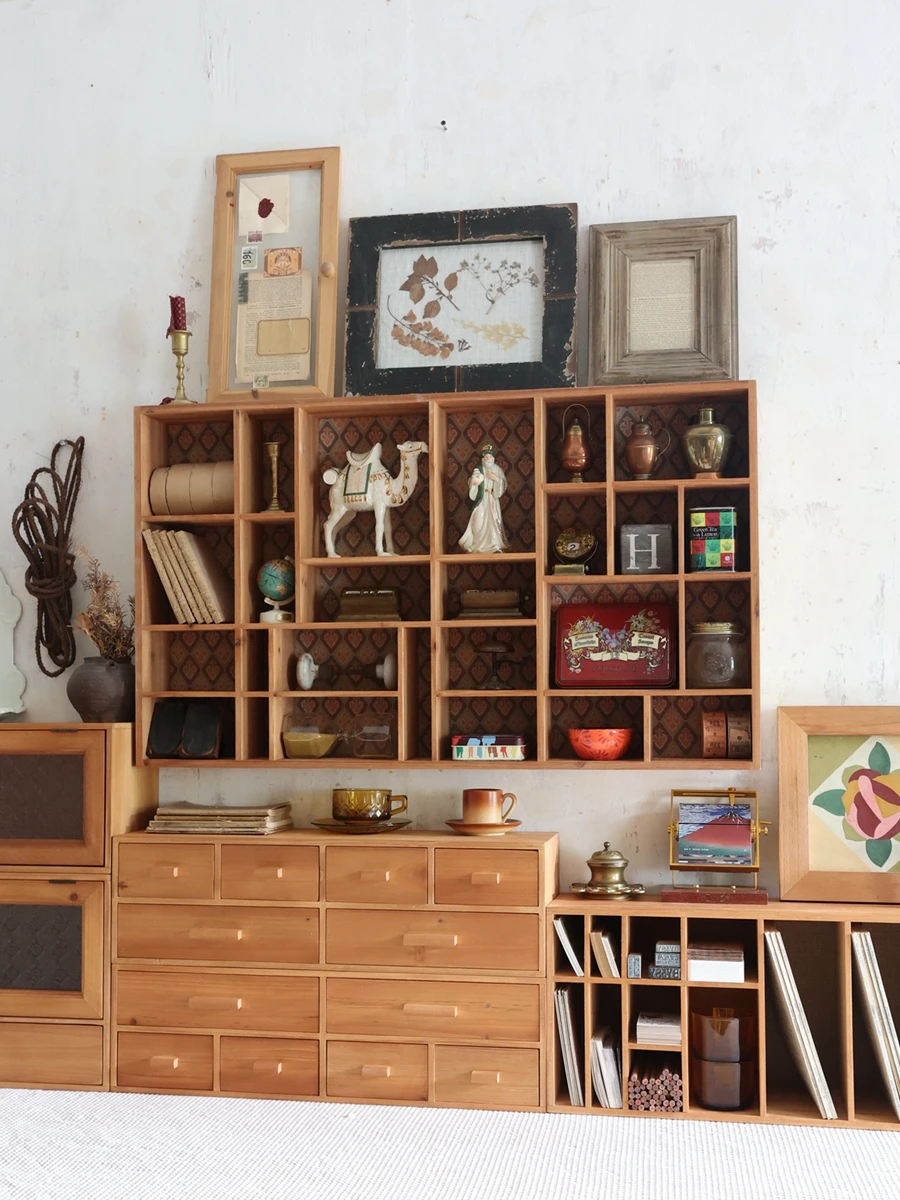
249	667
817	940
408	968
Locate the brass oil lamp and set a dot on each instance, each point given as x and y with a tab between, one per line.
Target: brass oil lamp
576	449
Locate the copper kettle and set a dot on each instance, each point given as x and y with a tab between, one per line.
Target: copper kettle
576	451
643	453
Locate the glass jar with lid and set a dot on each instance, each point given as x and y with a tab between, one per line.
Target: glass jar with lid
718	655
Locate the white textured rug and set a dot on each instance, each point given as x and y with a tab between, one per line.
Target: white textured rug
90	1146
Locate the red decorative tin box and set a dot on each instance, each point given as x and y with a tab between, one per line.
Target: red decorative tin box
615	645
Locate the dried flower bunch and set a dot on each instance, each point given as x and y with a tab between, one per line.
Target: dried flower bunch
106	621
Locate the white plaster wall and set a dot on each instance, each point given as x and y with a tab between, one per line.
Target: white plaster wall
783	113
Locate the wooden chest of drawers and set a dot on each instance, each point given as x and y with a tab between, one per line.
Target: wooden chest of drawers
407	968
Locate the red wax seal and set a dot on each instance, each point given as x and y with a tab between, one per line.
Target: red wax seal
265	207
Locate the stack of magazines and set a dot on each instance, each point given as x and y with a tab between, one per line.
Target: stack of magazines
226	818
606	1068
878	1015
796	1026
570	1047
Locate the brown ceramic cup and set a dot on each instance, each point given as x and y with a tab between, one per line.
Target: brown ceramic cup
365	804
484	806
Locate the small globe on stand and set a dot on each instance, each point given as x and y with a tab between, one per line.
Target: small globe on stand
276	581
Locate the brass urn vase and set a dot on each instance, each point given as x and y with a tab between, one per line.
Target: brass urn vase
707	445
607	879
575	455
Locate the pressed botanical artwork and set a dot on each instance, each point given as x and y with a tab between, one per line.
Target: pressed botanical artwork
854	803
460	304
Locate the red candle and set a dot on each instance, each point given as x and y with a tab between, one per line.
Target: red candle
179	314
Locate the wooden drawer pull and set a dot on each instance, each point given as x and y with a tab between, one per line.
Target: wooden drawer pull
159	1062
375	876
485	1077
202	934
268	872
369	1071
433	940
431	1010
485	878
260	1066
214	1003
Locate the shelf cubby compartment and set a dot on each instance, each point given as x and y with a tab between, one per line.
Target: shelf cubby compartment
226	707
252	733
657	507
261	541
499	572
342	653
814	951
594	438
676	726
341	715
323	600
741	933
581	512
662	410
170	438
645	998
612	925
511	432
489	712
558	1090
720	495
595	712
330	436
255	486
871	1101
734	1080
604	1012
468	668
643	934
154	606
576	927
415	725
188	661
253	657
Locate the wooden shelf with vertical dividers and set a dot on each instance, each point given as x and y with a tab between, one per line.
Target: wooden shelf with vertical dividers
818	945
251	666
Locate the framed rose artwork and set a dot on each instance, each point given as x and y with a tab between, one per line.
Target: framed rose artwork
839	804
462	301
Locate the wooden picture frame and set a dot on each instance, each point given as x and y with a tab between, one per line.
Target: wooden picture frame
663	301
553	226
861	873
231	169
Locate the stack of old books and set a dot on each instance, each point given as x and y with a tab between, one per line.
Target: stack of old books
658	1029
715	962
198	587
226	818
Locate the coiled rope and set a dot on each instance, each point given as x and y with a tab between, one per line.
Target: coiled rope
42	530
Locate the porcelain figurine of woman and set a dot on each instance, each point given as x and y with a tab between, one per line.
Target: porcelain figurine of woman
487	483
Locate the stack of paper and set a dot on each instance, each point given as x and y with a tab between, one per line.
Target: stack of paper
796	1026
606	1068
570	1046
879	1019
559	924
715	962
605	953
205	818
658	1029
194	580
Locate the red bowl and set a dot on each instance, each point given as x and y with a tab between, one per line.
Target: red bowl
601	745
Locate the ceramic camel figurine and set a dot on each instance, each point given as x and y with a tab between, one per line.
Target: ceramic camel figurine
364	485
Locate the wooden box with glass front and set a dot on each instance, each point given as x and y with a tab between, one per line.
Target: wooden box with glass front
388	685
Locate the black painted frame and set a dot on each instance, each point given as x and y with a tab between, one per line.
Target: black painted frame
556	225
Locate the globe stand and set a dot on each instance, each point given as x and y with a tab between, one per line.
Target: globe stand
278	615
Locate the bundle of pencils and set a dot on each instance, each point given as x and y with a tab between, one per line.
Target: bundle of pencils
654	1083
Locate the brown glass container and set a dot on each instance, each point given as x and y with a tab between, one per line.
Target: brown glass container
723	1085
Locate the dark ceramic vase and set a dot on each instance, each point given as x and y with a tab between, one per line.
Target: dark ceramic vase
102	691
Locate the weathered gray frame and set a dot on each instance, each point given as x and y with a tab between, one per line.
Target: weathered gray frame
712	243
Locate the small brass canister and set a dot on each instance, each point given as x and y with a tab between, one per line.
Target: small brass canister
607	877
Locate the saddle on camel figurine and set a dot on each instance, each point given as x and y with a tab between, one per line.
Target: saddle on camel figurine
364	485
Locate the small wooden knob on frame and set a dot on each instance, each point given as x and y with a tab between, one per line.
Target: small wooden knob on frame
327	269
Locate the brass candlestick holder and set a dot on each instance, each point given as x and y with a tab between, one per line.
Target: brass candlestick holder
273	450
180	347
